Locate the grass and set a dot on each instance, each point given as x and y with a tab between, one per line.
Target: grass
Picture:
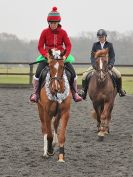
9	79
128	84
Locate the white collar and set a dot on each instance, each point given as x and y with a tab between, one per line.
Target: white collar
102	44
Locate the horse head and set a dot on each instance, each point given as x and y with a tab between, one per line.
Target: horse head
101	57
56	66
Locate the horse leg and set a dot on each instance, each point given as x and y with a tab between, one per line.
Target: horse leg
46	130
48	138
64	121
105	117
99	109
107	125
56	124
96	108
109	118
43	127
50	150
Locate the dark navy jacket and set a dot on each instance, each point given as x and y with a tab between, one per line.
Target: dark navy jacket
97	46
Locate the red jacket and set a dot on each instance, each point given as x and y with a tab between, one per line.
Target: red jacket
54	39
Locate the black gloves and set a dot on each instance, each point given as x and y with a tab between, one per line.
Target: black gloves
110	67
94	66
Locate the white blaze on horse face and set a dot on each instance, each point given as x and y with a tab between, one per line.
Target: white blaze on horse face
101	64
56	66
45	145
101	67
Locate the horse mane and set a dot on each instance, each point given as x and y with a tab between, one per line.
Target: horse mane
101	53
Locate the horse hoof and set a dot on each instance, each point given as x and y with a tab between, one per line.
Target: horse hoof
45	156
106	132
100	138
50	153
61	158
100	133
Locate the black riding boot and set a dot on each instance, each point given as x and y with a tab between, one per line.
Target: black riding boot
119	84
83	91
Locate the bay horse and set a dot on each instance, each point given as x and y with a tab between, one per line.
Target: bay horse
54	105
102	93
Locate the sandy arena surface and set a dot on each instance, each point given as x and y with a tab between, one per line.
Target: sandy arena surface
21	140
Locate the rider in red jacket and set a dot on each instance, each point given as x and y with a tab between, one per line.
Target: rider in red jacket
54	37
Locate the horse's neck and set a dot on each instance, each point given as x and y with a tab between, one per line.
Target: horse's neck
101	83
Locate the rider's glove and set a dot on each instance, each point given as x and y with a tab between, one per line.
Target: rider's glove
64	57
110	67
94	66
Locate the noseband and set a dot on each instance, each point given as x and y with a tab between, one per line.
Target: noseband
56	78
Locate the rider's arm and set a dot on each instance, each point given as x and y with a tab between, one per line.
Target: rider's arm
67	43
111	55
92	55
41	43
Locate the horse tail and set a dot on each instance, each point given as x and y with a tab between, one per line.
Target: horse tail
93	114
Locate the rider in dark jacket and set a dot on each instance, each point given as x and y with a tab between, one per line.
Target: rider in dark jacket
97	46
102	44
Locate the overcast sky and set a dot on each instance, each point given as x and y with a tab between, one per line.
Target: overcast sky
27	18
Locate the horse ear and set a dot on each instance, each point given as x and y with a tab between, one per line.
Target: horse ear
49	55
63	53
97	53
50	52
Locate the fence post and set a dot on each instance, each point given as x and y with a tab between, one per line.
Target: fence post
31	74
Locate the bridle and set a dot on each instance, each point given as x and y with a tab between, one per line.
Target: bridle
102	73
56	78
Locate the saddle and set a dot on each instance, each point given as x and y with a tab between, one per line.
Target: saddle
88	77
42	77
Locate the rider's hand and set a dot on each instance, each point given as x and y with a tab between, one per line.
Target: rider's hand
64	57
94	66
110	67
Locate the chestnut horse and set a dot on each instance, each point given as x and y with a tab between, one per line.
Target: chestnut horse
102	93
54	105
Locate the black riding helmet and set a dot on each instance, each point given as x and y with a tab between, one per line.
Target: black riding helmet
101	32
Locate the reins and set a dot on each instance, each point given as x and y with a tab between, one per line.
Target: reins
56	78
